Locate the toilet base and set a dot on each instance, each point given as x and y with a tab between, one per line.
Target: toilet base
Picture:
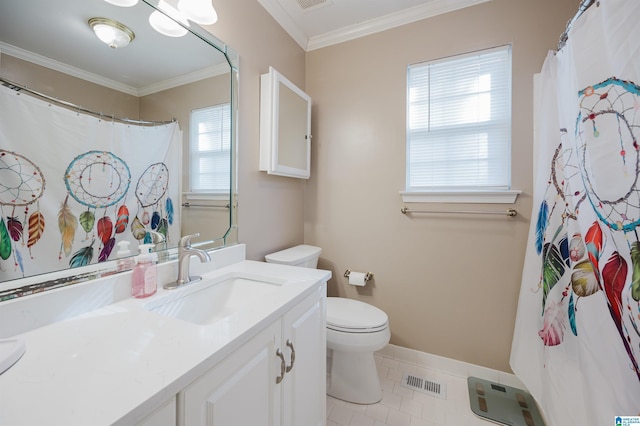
353	377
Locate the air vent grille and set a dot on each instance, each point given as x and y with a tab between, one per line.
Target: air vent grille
308	4
424	385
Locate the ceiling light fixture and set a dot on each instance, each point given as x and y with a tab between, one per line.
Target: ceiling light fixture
123	3
198	11
112	33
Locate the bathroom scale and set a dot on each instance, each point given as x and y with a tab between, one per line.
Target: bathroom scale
502	404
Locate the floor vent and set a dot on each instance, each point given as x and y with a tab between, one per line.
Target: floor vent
424	385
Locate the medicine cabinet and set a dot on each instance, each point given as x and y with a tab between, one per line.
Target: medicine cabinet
285	127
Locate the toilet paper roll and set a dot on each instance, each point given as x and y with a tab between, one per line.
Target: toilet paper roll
357	278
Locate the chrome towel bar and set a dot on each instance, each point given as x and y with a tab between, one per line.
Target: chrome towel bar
212	206
508	212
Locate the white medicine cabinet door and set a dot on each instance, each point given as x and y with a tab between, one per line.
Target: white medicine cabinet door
285	127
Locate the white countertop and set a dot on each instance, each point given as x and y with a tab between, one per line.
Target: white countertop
118	363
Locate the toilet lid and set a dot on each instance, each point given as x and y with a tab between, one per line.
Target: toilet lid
354	316
294	255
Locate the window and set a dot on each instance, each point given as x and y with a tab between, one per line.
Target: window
459	123
210	149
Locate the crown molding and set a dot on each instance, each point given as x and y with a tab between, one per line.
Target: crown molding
403	17
278	13
43	61
184	79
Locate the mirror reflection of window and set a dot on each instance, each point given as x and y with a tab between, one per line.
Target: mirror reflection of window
210	149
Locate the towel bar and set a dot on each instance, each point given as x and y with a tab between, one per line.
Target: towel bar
508	212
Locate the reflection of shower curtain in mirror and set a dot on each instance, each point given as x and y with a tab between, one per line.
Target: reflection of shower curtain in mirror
576	343
72	185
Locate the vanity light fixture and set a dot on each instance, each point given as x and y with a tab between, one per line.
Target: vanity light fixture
198	11
112	33
165	25
123	3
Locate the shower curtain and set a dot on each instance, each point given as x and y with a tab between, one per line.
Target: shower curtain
576	342
73	185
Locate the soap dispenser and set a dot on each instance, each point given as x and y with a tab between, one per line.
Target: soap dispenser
145	276
125	261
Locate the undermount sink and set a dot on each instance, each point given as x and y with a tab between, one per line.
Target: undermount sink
10	352
212	300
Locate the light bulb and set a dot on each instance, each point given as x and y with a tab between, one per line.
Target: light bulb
165	25
199	11
123	3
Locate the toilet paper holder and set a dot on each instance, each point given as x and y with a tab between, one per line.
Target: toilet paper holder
367	276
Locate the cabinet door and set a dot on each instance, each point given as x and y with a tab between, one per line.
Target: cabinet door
285	127
304	333
241	390
163	416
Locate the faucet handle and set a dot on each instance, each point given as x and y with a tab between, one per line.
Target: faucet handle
186	240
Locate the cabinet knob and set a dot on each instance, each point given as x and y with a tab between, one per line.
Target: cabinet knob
282	366
293	355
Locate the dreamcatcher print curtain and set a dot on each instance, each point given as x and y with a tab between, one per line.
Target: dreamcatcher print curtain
73	185
576	342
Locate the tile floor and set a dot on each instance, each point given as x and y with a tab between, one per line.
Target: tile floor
401	406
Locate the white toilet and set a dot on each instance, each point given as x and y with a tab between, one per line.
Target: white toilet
355	330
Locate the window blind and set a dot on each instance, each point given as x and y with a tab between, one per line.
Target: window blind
459	123
210	149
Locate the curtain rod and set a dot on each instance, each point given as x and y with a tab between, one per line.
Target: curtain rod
584	5
20	88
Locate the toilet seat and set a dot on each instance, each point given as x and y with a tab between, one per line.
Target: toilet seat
352	316
356	330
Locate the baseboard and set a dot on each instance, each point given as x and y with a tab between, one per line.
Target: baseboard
448	365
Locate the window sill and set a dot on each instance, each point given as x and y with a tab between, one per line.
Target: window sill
212	196
480	197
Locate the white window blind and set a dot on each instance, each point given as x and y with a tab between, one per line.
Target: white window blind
210	149
459	123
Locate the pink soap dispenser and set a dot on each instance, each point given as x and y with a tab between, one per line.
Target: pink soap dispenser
145	277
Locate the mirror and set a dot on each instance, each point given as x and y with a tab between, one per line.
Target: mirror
48	52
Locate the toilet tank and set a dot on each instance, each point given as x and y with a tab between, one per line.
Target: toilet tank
302	255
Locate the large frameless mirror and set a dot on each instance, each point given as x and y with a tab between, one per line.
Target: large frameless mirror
97	143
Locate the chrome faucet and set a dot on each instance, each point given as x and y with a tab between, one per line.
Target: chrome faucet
185	251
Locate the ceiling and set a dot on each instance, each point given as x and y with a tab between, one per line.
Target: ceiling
318	23
56	34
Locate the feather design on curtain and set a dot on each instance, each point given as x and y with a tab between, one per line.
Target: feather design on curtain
5	240
67	224
24	189
576	344
93	164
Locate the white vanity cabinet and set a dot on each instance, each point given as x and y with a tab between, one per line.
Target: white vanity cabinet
163	416
276	378
240	390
